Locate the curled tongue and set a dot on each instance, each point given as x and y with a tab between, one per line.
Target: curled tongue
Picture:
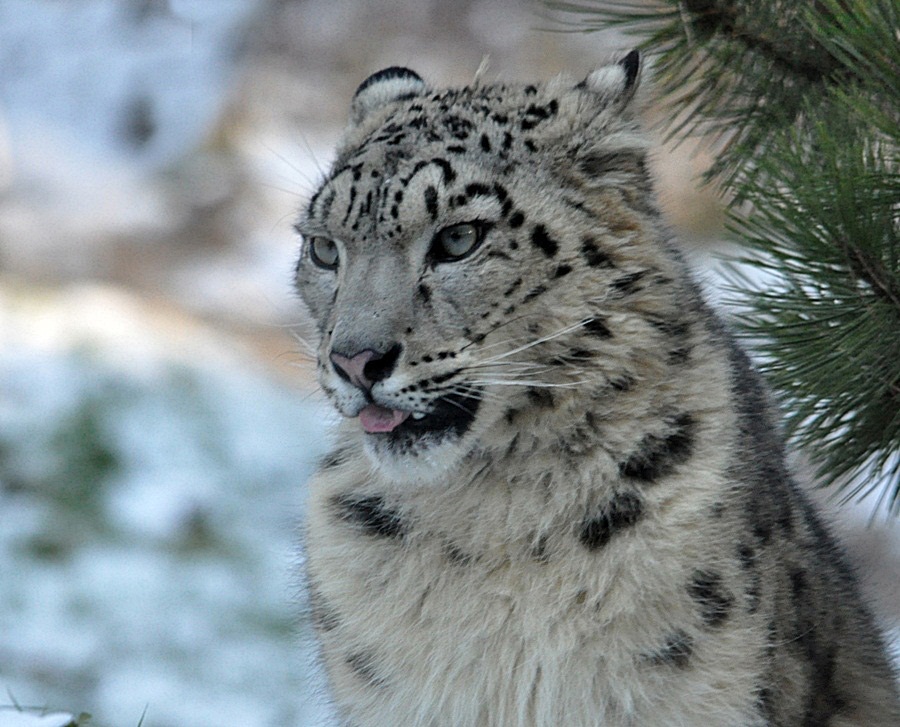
376	418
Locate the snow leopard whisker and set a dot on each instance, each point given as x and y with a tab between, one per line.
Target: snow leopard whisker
305	344
498	327
543	339
459	405
471	392
502	369
533	384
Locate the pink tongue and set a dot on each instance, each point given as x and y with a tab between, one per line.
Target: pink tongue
376	418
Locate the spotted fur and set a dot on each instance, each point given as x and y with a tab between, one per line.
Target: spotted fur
570	505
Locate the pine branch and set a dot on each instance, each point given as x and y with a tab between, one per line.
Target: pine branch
801	101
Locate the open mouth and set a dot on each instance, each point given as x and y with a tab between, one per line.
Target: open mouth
451	415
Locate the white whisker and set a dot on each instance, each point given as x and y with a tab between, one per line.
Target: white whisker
535	384
539	341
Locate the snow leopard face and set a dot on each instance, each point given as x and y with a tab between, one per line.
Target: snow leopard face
472	252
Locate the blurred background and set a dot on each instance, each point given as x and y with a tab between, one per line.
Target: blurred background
158	418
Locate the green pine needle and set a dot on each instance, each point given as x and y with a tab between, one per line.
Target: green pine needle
801	102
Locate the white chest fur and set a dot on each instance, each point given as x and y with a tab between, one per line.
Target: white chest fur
431	626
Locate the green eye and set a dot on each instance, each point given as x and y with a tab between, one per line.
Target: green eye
456	241
323	252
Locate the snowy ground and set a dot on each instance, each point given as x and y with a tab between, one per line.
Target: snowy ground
150	489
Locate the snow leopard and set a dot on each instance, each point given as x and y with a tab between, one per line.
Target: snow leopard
558	492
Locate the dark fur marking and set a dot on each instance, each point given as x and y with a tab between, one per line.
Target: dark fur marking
824	700
349	204
593	255
485	143
541	240
753	591
535	292
420	165
628	283
441	378
327	203
370	515
536	114
424	293
625	382
446	169
363	665
746	556
600	163
324	617
631	63
679	355
764	704
657	456
580	354
620	513
458	127
562	270
315	198
677	651
539	550
713	598
540	397
676	329
476	189
580	206
431	202
333	459
456	556
512	288
761	468
366	207
542	112
596	326
517	219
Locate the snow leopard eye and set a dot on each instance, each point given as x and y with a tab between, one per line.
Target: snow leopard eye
323	252
456	241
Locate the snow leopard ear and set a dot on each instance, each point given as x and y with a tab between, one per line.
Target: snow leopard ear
383	87
617	82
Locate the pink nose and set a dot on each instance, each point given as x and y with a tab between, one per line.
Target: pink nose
368	367
353	367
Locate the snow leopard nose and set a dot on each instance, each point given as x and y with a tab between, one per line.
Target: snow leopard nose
367	367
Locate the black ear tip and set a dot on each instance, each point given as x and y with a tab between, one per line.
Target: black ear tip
632	64
389	74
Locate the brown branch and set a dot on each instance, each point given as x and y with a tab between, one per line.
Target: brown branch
712	16
868	270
